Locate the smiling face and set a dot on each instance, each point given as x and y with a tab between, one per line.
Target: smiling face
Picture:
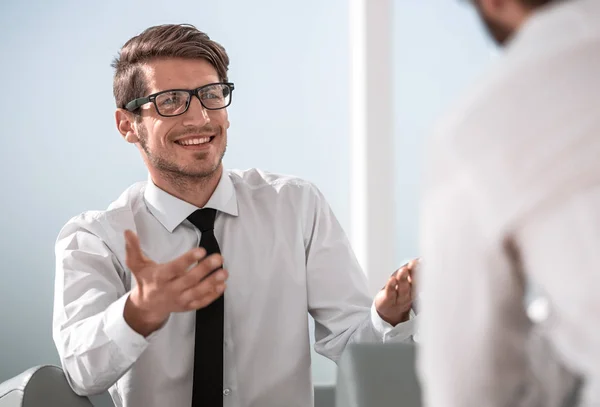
182	148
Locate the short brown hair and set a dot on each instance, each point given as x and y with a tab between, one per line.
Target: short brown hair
162	41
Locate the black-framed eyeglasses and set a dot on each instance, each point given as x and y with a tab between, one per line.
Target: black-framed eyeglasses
174	102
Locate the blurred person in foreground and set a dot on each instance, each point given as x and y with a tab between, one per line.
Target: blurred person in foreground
512	195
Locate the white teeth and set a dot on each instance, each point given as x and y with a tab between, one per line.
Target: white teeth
194	141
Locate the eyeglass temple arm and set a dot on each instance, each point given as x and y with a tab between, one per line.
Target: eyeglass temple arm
136	103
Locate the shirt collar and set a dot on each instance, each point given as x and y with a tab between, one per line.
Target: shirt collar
171	211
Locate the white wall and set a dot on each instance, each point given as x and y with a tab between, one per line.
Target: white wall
439	49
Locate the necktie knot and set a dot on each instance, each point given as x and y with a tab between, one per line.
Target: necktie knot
203	219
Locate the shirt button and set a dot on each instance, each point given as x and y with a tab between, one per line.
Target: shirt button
226	392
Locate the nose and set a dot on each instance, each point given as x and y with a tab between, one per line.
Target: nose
196	113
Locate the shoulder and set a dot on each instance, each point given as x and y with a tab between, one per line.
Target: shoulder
256	180
277	193
107	223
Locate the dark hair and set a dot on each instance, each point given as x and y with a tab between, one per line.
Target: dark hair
537	3
162	41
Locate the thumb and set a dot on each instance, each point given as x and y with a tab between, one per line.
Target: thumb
134	257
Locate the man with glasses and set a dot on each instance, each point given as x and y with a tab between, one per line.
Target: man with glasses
513	196
194	288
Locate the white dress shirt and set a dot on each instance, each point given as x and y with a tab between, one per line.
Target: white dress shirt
287	256
512	196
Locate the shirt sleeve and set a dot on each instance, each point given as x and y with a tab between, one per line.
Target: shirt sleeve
338	298
95	344
405	331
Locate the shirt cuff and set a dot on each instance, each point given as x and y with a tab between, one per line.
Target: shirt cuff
399	333
131	343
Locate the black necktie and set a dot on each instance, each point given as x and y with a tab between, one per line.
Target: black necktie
208	351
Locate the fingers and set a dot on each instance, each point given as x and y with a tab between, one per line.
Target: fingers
414	263
207	300
413	266
399	287
182	264
394	275
134	257
195	275
391	287
404	284
402	276
205	292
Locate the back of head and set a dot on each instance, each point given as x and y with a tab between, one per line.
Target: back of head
537	3
503	18
162	41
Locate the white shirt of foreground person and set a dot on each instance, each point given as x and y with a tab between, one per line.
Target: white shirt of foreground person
513	194
287	256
